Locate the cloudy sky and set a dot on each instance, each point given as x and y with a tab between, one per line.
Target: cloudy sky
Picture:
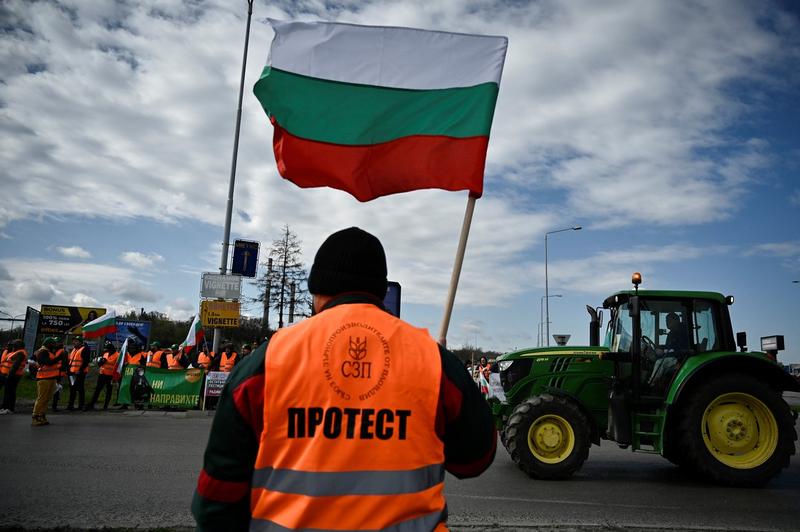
669	130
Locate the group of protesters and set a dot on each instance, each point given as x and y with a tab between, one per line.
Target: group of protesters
52	367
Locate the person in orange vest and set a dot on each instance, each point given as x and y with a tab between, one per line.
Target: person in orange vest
333	425
156	357
176	358
14	366
61	353
46	377
228	359
78	367
208	361
3	373
135	356
105	380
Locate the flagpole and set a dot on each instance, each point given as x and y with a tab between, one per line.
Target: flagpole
462	246
223	267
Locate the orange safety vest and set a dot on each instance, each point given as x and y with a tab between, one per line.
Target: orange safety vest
349	439
76	360
111	364
173	361
204	359
21	368
51	369
155	360
5	367
61	354
135	359
227	361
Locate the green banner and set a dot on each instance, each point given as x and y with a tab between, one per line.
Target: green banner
170	387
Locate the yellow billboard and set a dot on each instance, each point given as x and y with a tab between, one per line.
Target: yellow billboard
219	314
59	319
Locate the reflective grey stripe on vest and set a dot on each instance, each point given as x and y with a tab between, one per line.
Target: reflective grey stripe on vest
321	484
424	523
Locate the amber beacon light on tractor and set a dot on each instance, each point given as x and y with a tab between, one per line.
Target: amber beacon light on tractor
666	378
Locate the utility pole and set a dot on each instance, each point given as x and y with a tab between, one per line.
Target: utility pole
223	266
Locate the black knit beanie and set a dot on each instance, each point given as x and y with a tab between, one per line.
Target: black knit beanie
350	260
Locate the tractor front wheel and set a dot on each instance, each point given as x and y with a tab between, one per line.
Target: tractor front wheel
548	437
736	430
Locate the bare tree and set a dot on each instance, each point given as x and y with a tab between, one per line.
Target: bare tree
283	285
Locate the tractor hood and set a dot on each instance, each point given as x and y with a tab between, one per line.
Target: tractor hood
552	351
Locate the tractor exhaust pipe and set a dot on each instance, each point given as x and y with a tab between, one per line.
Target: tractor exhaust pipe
594	326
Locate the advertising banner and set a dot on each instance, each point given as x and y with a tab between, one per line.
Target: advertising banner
57	320
168	387
29	332
218	286
130	328
220	314
215	382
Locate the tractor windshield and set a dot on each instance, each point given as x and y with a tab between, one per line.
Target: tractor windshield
618	334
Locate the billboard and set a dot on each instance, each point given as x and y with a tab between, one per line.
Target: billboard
56	319
219	314
31	326
136	328
218	286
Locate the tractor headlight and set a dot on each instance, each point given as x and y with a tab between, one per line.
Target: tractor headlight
504	364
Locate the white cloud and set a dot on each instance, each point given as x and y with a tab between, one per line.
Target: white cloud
141	260
75	252
794	198
776	249
83	300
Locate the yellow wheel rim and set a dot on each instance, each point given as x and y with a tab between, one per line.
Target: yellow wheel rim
551	439
739	430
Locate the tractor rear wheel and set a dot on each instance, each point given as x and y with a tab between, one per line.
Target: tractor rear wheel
736	430
548	437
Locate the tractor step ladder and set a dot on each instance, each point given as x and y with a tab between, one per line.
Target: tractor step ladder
647	431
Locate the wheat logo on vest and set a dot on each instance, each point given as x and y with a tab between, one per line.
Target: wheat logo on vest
356	361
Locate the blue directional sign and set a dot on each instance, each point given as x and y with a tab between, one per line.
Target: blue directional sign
392	299
245	258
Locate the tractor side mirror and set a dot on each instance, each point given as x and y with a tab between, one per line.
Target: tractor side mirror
741	341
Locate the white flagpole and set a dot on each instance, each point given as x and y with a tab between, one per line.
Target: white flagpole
462	246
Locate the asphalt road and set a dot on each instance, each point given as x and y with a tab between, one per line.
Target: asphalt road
133	471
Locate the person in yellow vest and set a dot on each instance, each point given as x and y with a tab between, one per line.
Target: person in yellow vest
78	367
228	359
3	371
333	425
61	353
14	366
156	357
176	358
105	380
46	376
135	356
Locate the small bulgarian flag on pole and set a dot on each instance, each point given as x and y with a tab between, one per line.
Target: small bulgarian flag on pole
105	324
123	353
195	334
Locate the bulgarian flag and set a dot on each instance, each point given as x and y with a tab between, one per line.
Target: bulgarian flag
105	324
379	110
195	334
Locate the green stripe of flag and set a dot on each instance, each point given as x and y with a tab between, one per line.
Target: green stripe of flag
353	114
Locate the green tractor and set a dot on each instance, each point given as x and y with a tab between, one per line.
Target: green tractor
668	379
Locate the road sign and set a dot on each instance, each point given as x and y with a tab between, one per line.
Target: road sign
218	286
245	258
219	314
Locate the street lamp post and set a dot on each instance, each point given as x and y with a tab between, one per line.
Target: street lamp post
546	283
541	313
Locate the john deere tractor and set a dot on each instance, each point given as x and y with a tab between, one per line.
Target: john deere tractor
668	379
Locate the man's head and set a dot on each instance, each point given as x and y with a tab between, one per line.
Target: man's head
350	260
246	349
77	341
108	347
50	342
673	321
228	347
154	345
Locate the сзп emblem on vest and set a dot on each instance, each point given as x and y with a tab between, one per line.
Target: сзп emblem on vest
356	361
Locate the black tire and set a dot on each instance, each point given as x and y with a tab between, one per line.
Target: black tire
694	451
519	426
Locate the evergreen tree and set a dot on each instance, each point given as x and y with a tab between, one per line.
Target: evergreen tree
283	285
